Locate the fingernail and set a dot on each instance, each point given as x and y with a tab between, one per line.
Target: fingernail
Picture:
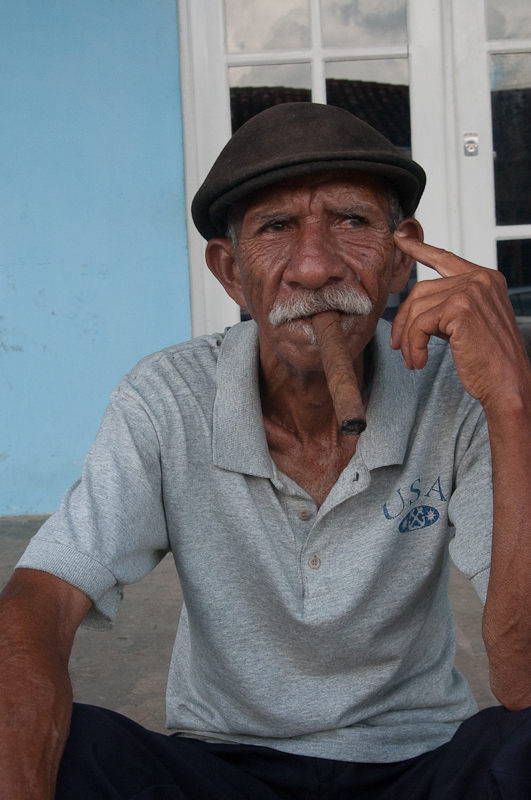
400	233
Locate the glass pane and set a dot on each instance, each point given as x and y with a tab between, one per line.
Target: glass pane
508	19
363	23
376	91
253	89
525	303
514	261
511	129
254	26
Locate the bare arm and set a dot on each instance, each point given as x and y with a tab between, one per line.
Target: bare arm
470	308
39	615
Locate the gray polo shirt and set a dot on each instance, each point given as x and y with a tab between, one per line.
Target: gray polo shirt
320	631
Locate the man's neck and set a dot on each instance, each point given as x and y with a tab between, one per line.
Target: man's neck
299	400
300	423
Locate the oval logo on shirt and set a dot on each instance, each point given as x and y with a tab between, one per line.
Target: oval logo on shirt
419	517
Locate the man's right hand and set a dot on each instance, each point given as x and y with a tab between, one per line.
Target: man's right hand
39	616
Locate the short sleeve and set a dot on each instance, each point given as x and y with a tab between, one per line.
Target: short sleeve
470	509
110	529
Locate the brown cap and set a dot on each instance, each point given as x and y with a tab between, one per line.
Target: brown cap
296	139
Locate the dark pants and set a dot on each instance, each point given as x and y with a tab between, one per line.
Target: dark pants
109	757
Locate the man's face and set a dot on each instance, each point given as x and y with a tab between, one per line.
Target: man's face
303	237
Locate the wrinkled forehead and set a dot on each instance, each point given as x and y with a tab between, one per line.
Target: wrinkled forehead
350	185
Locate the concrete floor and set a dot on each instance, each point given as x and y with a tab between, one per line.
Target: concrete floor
125	669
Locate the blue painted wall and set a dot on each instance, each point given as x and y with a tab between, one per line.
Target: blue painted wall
93	256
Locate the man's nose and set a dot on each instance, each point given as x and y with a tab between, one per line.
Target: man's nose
313	260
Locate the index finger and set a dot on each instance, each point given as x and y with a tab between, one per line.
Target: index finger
445	263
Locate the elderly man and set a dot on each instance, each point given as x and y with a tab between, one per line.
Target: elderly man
314	657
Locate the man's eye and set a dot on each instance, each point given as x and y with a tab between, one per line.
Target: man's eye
354	222
275	225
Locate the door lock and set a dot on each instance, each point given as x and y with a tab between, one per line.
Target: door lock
470	141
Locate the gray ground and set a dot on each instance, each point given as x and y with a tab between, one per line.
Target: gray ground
125	669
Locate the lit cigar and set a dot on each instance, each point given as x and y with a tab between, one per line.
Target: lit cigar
340	375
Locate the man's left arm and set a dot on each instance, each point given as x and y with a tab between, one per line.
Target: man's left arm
470	308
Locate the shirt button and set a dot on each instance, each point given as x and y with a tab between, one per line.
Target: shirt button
314	562
356	477
305	515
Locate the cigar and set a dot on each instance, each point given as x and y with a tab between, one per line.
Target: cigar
340	375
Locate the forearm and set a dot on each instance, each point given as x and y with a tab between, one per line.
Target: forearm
35	693
470	308
35	708
507	615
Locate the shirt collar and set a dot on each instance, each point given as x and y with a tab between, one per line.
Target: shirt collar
239	441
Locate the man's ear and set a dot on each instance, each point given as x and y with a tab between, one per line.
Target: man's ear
402	263
221	261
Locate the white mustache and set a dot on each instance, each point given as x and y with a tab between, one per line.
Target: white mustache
307	303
